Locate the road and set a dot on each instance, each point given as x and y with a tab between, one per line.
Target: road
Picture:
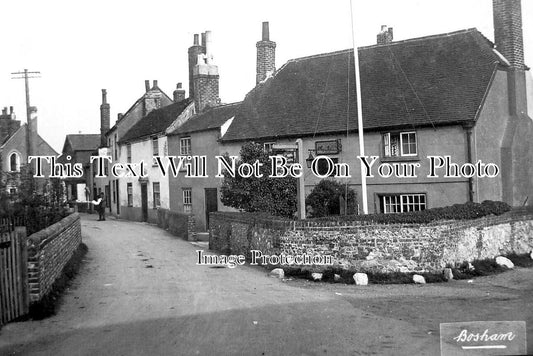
140	292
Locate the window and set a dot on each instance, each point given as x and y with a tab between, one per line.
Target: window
400	144
128	152
14	162
130	194
187	200
12	191
116	150
185	146
157	195
402	203
155	146
268	147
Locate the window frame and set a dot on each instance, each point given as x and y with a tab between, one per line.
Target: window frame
156	194
402	202
17	162
387	139
128	153
155	146
185	149
187	200
129	193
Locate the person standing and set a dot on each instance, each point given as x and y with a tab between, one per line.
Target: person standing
100	207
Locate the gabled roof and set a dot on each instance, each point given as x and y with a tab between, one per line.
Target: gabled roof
83	142
211	119
43	148
156	121
138	102
427	81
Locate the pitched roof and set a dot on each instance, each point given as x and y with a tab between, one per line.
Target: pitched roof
156	121
208	120
83	142
433	80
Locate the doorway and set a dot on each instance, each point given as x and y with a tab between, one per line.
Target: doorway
211	204
144	201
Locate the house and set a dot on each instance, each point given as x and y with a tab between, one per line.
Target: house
78	149
455	95
152	99
140	196
200	137
14	149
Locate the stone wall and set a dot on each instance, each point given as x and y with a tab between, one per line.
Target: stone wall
48	252
376	247
178	224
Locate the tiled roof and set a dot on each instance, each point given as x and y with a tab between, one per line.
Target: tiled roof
156	121
433	80
83	142
208	120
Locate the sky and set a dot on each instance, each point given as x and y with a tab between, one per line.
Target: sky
81	47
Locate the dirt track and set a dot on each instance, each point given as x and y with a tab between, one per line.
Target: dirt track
141	293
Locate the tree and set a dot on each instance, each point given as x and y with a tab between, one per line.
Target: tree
325	198
276	196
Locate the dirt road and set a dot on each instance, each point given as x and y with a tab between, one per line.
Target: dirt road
140	293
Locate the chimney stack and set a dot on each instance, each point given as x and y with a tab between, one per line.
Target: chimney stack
385	36
204	76
195	50
105	118
147	85
4	110
155	84
179	93
507	16
266	56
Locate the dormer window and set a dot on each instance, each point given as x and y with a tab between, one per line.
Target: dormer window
400	144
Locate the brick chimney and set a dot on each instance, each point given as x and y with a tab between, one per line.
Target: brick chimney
146	85
152	97
385	35
179	93
105	118
507	15
195	50
266	56
205	78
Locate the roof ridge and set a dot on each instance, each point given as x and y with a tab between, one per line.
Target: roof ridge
409	40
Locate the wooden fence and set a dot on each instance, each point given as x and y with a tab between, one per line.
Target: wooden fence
14	300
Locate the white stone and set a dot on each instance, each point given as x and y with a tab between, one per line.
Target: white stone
504	261
337	278
418	279
277	272
448	275
316	276
531	255
361	279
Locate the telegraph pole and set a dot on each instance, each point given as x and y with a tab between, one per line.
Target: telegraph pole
26	75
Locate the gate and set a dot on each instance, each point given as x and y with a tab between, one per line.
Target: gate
13	271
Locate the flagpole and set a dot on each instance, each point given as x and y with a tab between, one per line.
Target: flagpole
359	111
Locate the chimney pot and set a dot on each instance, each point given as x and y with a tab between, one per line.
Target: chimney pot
104	96
266	32
155	83
147	85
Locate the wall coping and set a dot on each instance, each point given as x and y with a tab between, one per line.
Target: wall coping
44	236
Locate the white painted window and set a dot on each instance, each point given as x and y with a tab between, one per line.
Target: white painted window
398	144
130	194
402	203
187	200
157	195
155	146
185	146
268	147
128	152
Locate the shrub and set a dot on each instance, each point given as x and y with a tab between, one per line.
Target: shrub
464	211
325	198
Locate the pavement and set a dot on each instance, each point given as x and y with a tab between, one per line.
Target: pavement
140	292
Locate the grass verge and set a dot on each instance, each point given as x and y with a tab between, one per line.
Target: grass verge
47	306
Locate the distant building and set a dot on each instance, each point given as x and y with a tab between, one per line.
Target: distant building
14	149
